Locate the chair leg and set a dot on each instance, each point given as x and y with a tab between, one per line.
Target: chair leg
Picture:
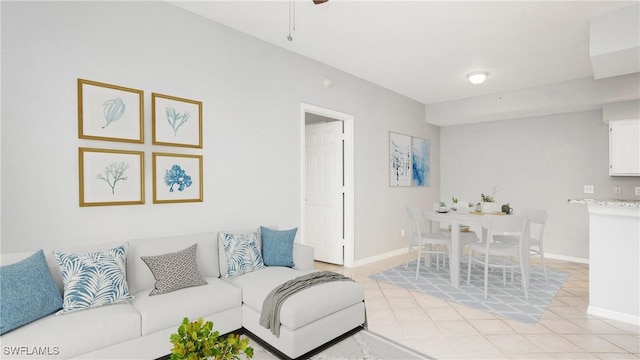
418	261
504	271
544	268
486	275
525	285
512	269
469	267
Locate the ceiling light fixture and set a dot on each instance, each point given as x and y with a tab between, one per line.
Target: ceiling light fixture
477	77
292	18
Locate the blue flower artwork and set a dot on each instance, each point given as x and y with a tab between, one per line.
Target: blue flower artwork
176	119
420	162
113	173
113	110
177	176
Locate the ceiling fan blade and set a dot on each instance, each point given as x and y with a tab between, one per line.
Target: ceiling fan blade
318	2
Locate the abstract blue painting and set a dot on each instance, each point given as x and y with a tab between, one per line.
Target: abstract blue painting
420	162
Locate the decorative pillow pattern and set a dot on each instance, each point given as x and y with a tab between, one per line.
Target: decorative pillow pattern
243	255
174	271
28	292
93	279
277	246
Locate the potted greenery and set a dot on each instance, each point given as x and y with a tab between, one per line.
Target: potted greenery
196	340
487	204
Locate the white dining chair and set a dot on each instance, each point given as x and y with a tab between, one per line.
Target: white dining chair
537	222
421	236
500	255
429	238
462	207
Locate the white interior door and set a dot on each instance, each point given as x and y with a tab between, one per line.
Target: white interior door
324	194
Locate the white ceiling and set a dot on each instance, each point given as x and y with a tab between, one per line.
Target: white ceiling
424	49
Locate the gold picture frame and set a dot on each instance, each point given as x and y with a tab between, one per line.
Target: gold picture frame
110	112
177	178
110	177
173	122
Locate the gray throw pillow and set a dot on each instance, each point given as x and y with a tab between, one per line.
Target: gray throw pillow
174	271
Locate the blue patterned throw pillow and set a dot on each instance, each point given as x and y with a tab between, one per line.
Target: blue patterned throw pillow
93	279
27	292
243	255
277	246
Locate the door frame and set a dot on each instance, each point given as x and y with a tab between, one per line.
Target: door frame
348	173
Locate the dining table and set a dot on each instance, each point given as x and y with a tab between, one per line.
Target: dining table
477	220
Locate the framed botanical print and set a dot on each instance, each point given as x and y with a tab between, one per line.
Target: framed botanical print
111	177
110	112
177	178
176	121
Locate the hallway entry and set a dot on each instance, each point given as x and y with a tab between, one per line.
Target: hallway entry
328	185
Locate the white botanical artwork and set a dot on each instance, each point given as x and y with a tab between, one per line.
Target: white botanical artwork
399	159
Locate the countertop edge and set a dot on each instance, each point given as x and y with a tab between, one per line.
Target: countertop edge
607	202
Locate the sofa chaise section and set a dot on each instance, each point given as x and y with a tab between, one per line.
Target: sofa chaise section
309	318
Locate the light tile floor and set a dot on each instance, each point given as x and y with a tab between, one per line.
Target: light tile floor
446	330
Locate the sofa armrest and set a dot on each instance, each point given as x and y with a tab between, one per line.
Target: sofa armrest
303	257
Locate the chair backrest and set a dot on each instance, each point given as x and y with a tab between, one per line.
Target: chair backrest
537	219
419	225
414	222
500	224
462	207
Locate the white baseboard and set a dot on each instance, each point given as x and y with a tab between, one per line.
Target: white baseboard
614	315
566	258
397	252
377	258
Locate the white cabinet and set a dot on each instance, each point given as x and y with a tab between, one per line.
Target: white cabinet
624	147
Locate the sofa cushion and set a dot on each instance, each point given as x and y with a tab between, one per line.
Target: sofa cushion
74	334
176	270
304	307
93	279
277	246
242	253
28	292
168	310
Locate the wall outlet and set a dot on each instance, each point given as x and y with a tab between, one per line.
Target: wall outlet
588	189
617	190
637	190
402	232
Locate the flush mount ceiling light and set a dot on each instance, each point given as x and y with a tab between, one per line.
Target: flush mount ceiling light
477	77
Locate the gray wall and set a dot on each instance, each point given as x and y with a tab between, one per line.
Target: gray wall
252	94
535	162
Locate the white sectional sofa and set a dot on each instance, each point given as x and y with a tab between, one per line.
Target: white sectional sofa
140	328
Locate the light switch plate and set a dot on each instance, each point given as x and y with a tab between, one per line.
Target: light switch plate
588	189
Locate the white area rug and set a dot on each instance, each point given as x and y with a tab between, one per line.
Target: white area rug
503	300
363	345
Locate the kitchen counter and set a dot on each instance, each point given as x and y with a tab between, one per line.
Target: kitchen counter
614	258
607	202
